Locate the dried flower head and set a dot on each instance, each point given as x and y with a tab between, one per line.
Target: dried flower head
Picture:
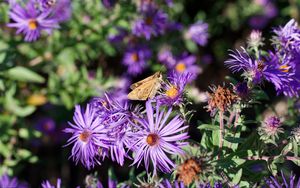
221	99
296	134
255	39
188	171
270	128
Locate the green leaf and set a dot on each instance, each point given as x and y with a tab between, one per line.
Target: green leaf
24	133
236	179
33	159
234	139
23	153
23	74
208	127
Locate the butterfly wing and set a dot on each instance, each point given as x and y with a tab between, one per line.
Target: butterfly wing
139	83
142	92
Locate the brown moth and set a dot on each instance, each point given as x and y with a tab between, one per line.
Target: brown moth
146	88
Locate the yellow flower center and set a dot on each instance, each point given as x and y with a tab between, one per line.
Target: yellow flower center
135	57
84	136
32	24
172	92
284	68
149	21
152	139
180	67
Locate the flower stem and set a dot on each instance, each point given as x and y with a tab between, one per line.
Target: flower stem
221	132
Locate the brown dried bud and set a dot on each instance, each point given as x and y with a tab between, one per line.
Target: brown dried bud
188	171
221	99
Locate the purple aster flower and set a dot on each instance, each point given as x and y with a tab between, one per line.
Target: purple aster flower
152	23
292	182
136	59
167	184
198	32
186	64
46	125
157	138
109	3
169	2
173	90
287	37
88	136
166	57
31	21
116	119
258	21
268	11
61	10
46	184
6	181
289	67
255	70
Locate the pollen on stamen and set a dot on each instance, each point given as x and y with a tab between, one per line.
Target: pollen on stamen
149	21
180	67
172	92
152	139
135	57
32	24
284	68
84	136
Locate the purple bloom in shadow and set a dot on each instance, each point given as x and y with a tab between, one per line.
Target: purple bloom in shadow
186	64
198	32
157	137
136	58
109	4
6	182
152	23
292	182
46	184
46	125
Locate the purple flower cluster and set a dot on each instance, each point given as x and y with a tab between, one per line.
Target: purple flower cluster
6	181
268	11
273	182
135	58
198	32
281	68
173	90
38	16
108	128
152	22
181	65
46	184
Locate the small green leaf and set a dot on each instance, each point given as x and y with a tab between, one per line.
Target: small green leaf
23	74
33	159
23	153
236	179
24	133
234	139
208	127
